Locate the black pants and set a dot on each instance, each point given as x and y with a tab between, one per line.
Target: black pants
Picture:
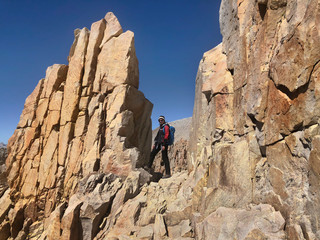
165	158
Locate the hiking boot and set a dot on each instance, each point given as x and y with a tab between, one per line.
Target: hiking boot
166	176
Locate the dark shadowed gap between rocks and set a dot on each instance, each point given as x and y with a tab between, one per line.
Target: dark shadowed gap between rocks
262	10
259	125
300	90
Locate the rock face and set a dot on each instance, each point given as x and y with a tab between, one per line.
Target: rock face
84	118
256	115
3	174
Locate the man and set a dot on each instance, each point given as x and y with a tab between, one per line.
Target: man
161	142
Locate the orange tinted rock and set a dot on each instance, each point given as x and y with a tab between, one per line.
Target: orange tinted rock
30	106
74	77
113	28
118	52
95	38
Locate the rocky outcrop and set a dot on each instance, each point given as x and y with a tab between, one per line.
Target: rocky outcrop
3	174
256	118
84	118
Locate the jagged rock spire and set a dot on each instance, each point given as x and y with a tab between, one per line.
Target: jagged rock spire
84	117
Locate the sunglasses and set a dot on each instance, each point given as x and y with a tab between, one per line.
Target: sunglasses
160	120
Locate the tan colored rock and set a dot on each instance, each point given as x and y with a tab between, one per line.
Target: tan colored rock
159	227
73	165
276	179
314	157
87	207
76	34
130	189
119	164
29	185
30	106
56	101
255	137
122	125
258	221
52	120
94	103
41	111
70	222
182	230
214	92
48	167
65	136
52	224
5	204
113	28
84	101
91	161
95	38
118	52
93	132
3	175
145	233
295	232
270	118
55	76
115	102
162	196
80	126
73	81
229	175
68	132
217	78
126	221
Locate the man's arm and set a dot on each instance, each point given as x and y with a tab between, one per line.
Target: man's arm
166	134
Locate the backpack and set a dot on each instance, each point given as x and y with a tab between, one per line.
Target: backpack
171	134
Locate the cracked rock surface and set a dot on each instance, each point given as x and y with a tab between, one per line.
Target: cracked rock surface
267	150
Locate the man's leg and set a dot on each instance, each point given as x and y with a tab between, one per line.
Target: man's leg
165	159
153	153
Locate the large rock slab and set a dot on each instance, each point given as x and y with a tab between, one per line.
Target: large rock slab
258	222
117	51
265	119
3	172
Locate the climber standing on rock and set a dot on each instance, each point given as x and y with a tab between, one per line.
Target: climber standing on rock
161	142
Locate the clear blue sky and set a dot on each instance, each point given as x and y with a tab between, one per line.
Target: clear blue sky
170	38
